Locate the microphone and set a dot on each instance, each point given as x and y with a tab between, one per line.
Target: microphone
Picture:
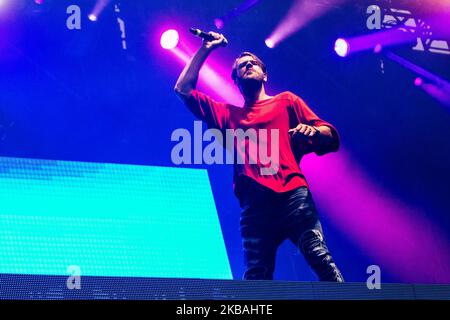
206	36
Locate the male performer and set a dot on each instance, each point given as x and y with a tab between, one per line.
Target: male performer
278	205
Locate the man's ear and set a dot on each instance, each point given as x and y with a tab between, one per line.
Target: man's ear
265	77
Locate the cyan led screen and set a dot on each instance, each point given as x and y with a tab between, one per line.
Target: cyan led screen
109	220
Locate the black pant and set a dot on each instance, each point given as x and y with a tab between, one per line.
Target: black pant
268	218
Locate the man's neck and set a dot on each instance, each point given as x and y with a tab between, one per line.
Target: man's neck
252	97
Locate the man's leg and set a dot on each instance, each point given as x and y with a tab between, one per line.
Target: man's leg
259	243
305	231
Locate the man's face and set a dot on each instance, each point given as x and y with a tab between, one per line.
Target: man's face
248	69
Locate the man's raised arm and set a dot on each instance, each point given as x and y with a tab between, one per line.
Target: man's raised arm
187	80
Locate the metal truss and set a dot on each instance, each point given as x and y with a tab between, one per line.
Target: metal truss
407	17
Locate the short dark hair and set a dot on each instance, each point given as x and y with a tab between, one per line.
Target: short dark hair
243	54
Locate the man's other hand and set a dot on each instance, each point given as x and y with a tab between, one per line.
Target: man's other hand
304	131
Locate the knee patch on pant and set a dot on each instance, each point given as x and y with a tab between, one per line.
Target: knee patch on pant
313	247
312	244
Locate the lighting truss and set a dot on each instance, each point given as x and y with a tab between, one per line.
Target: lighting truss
408	17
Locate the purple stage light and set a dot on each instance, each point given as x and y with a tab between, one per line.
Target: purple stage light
169	39
218	23
399	236
92	17
301	13
436	87
378	48
439	92
39	1
380	40
342	47
3	4
418	82
9	12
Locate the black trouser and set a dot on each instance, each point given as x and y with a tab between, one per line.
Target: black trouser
268	218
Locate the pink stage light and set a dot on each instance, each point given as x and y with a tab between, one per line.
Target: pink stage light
215	75
38	1
342	47
395	235
212	79
439	92
92	17
269	43
437	87
169	39
418	82
378	48
218	22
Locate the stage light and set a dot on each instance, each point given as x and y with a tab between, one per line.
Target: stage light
39	1
378	48
418	82
342	47
169	39
300	14
218	23
100	5
270	43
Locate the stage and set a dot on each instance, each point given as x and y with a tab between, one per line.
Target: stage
34	287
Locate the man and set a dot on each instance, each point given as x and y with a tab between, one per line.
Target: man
275	206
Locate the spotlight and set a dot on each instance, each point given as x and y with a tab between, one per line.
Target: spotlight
270	43
378	48
218	23
169	39
39	1
342	47
418	82
100	5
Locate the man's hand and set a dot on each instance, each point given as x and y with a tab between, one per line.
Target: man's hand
304	131
211	45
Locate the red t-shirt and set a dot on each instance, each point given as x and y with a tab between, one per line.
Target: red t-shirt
283	112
